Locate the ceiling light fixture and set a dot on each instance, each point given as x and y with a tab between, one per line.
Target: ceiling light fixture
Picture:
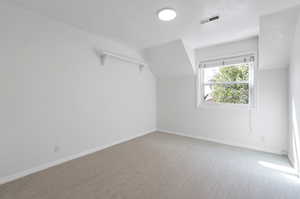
166	14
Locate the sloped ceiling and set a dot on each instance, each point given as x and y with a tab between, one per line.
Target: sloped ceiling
170	59
276	35
191	55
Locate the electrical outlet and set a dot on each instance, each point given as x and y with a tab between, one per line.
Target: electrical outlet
56	149
284	152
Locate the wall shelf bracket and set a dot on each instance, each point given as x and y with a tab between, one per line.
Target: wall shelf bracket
104	54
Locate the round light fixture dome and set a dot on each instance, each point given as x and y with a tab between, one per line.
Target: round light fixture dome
166	14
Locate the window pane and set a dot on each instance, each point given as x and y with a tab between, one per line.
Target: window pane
221	93
238	72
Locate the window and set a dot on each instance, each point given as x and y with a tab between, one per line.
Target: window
227	80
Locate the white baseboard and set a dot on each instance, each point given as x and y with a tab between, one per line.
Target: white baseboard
291	161
277	152
27	172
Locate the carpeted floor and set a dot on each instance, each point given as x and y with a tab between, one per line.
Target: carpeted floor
163	166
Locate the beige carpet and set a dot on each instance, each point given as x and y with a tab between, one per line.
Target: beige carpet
162	166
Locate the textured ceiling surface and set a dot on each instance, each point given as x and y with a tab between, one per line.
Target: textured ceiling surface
135	22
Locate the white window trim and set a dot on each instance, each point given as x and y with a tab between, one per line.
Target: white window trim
252	86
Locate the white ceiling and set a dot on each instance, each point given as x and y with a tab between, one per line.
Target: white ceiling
276	36
135	22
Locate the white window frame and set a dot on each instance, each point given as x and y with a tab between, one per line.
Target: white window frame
201	103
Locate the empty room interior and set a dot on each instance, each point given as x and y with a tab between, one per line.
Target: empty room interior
160	99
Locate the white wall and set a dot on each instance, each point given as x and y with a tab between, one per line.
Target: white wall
55	92
276	33
267	130
294	151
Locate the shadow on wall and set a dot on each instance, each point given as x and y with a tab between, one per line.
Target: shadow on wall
295	137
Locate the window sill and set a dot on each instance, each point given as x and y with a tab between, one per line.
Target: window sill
204	105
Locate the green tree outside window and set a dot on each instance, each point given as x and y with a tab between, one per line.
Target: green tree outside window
231	93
